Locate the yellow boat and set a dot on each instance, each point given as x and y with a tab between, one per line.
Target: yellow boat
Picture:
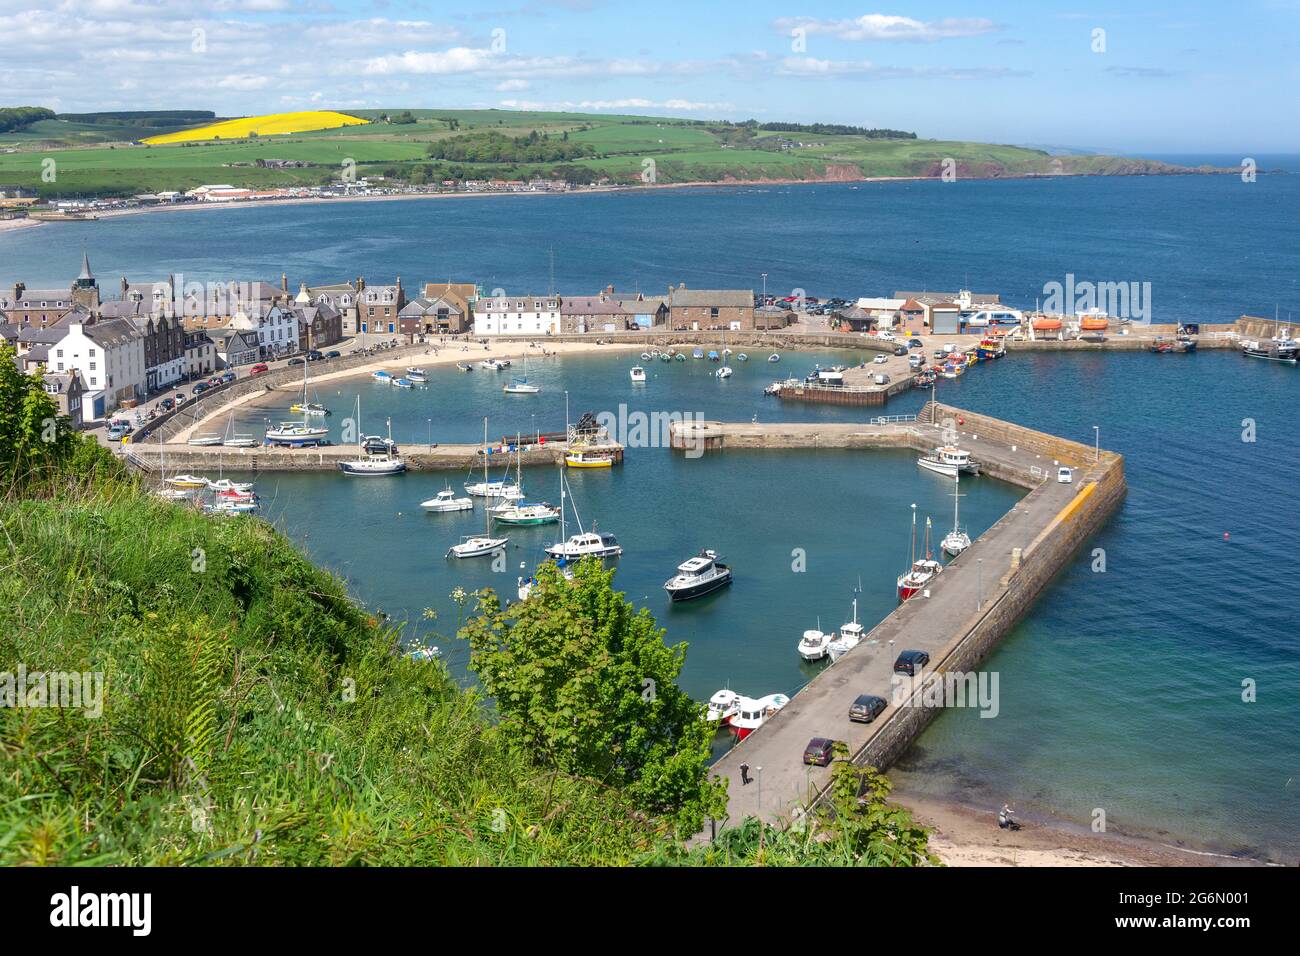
584	459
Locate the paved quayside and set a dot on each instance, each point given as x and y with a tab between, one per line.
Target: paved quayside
970	607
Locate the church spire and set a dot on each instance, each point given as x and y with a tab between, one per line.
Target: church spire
85	269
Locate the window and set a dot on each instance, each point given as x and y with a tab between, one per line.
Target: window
92	366
59	353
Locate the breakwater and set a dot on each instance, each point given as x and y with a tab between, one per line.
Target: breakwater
958	620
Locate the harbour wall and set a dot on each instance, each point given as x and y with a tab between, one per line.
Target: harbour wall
1019	587
958	619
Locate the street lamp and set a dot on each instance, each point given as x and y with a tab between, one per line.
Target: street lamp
979	583
430	434
1096	437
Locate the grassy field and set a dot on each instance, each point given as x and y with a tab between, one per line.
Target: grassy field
272	124
683	150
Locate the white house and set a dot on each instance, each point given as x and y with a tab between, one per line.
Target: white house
109	354
276	329
517	315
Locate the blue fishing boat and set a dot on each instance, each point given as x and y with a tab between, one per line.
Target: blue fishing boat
698	353
714	356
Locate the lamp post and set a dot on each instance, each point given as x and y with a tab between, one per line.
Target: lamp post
1096	443
430	421
979	583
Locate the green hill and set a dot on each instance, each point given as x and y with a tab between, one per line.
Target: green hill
616	148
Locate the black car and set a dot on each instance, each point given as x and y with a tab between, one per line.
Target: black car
200	388
909	661
333	353
867	708
315	356
915	344
900	350
296	361
819	751
166	404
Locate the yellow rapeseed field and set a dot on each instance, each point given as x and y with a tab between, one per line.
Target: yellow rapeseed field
268	125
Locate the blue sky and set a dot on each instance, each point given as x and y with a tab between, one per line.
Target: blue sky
1193	76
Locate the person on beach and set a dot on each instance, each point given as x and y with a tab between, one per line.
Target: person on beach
744	774
1004	818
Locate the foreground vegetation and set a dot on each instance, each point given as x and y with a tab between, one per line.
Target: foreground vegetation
428	146
253	713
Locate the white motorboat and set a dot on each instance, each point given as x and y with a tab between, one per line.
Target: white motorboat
814	645
373	465
752	714
525	513
850	635
225	484
724	372
417	375
175	494
742	357
584	544
447	501
955	541
478	545
949	460
187	481
921	571
296	433
638	375
494	489
697	576
723	705
774	357
232	506
494	365
402	383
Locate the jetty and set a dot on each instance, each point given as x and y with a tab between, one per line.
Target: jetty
957	620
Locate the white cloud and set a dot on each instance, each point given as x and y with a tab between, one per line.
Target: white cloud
512	86
880	26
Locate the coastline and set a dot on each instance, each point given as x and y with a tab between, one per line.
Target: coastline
969	836
444	356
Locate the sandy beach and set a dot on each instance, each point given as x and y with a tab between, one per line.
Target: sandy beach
967	836
403	358
10	225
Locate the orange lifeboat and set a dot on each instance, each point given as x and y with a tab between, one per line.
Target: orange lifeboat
1047	325
1093	323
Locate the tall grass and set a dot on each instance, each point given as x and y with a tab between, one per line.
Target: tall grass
253	713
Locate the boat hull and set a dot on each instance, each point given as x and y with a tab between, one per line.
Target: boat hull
938	467
691	592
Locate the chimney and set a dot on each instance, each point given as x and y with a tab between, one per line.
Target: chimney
361	283
284	282
124	287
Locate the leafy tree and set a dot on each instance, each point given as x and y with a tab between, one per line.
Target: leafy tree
587	684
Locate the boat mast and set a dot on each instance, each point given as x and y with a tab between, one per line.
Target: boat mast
913	534
487	512
956	484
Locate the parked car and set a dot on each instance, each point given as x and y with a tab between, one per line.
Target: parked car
315	356
909	661
1064	475
180	398
333	354
880	359
116	432
900	350
866	708
915	344
166	405
917	362
885	335
882	378
297	360
228	376
259	369
200	388
377	445
819	751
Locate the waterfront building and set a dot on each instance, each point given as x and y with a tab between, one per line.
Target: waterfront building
580	314
710	309
773	316
517	315
200	354
949	306
237	346
319	325
45	307
378	307
447	314
109	354
67	390
164	339
341	297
